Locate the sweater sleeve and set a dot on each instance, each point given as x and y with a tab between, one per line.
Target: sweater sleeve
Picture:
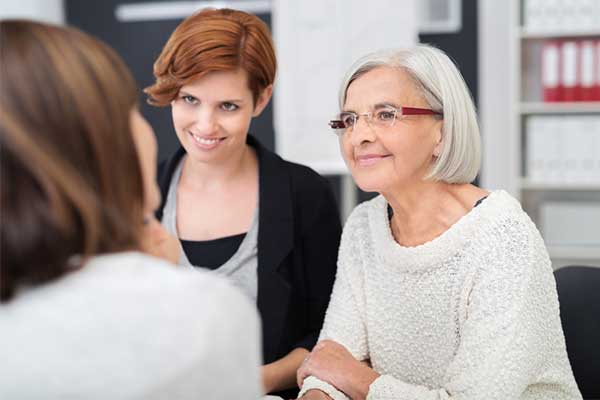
344	321
511	335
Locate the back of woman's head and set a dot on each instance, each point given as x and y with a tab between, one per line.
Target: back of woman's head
71	180
214	40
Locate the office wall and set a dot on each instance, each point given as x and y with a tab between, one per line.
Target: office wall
39	10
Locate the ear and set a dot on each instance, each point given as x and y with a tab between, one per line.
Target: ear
439	142
263	100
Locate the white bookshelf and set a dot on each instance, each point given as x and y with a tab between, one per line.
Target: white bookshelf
527	184
527	101
575	252
538	107
525	33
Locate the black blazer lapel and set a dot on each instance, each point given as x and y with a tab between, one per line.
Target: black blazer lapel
164	173
275	242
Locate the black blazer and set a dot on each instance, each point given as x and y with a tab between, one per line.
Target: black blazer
298	238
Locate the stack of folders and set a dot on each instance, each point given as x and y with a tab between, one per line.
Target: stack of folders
561	15
570	69
563	149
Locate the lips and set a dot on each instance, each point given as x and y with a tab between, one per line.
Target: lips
204	142
370	159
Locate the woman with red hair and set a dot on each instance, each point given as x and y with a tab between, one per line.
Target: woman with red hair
269	225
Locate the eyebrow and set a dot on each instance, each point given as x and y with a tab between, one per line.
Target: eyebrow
185	93
377	106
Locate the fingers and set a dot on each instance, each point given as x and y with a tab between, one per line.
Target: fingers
302	372
158	242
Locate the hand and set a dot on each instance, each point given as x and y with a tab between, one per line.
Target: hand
160	243
315	394
331	362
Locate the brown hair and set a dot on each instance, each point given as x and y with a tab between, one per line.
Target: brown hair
214	40
71	178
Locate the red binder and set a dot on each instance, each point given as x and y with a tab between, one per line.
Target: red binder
569	78
551	70
587	70
596	90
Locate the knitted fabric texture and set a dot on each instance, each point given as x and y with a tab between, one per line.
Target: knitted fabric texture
472	314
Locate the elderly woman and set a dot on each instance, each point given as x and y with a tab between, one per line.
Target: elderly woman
443	290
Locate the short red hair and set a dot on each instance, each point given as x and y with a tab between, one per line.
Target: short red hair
214	40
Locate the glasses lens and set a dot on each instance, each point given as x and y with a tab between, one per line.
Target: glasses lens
348	119
385	116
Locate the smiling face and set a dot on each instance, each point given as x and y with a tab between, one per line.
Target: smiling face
212	115
382	158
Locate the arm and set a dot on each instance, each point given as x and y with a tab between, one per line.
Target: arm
317	242
281	374
344	321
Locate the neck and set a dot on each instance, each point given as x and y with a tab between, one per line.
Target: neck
213	176
423	211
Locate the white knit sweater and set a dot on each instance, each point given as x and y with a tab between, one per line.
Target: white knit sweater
130	326
472	314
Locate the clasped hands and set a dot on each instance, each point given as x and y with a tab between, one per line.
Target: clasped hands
331	362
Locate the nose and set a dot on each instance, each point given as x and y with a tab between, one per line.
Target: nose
361	132
206	122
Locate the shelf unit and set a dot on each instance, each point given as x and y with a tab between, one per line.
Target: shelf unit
527	101
538	107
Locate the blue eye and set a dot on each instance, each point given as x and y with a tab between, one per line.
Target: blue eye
189	99
385	115
229	106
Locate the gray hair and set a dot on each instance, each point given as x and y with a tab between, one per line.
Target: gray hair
444	89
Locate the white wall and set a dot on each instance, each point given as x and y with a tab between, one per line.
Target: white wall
41	10
495	95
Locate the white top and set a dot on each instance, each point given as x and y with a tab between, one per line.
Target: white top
472	314
130	326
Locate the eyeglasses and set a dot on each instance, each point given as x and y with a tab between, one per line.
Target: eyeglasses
382	117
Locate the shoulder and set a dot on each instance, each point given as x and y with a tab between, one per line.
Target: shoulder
165	168
366	214
502	216
305	179
302	177
311	192
153	281
507	237
363	223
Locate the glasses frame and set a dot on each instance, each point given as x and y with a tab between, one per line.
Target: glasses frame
338	124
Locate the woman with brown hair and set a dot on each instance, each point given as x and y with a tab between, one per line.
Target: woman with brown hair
269	225
84	313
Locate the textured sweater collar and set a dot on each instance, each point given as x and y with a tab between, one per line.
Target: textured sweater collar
433	253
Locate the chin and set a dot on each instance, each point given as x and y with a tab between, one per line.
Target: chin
368	183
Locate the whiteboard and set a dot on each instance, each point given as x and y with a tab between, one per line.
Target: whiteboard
316	43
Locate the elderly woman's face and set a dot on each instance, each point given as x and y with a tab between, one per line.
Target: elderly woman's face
383	157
